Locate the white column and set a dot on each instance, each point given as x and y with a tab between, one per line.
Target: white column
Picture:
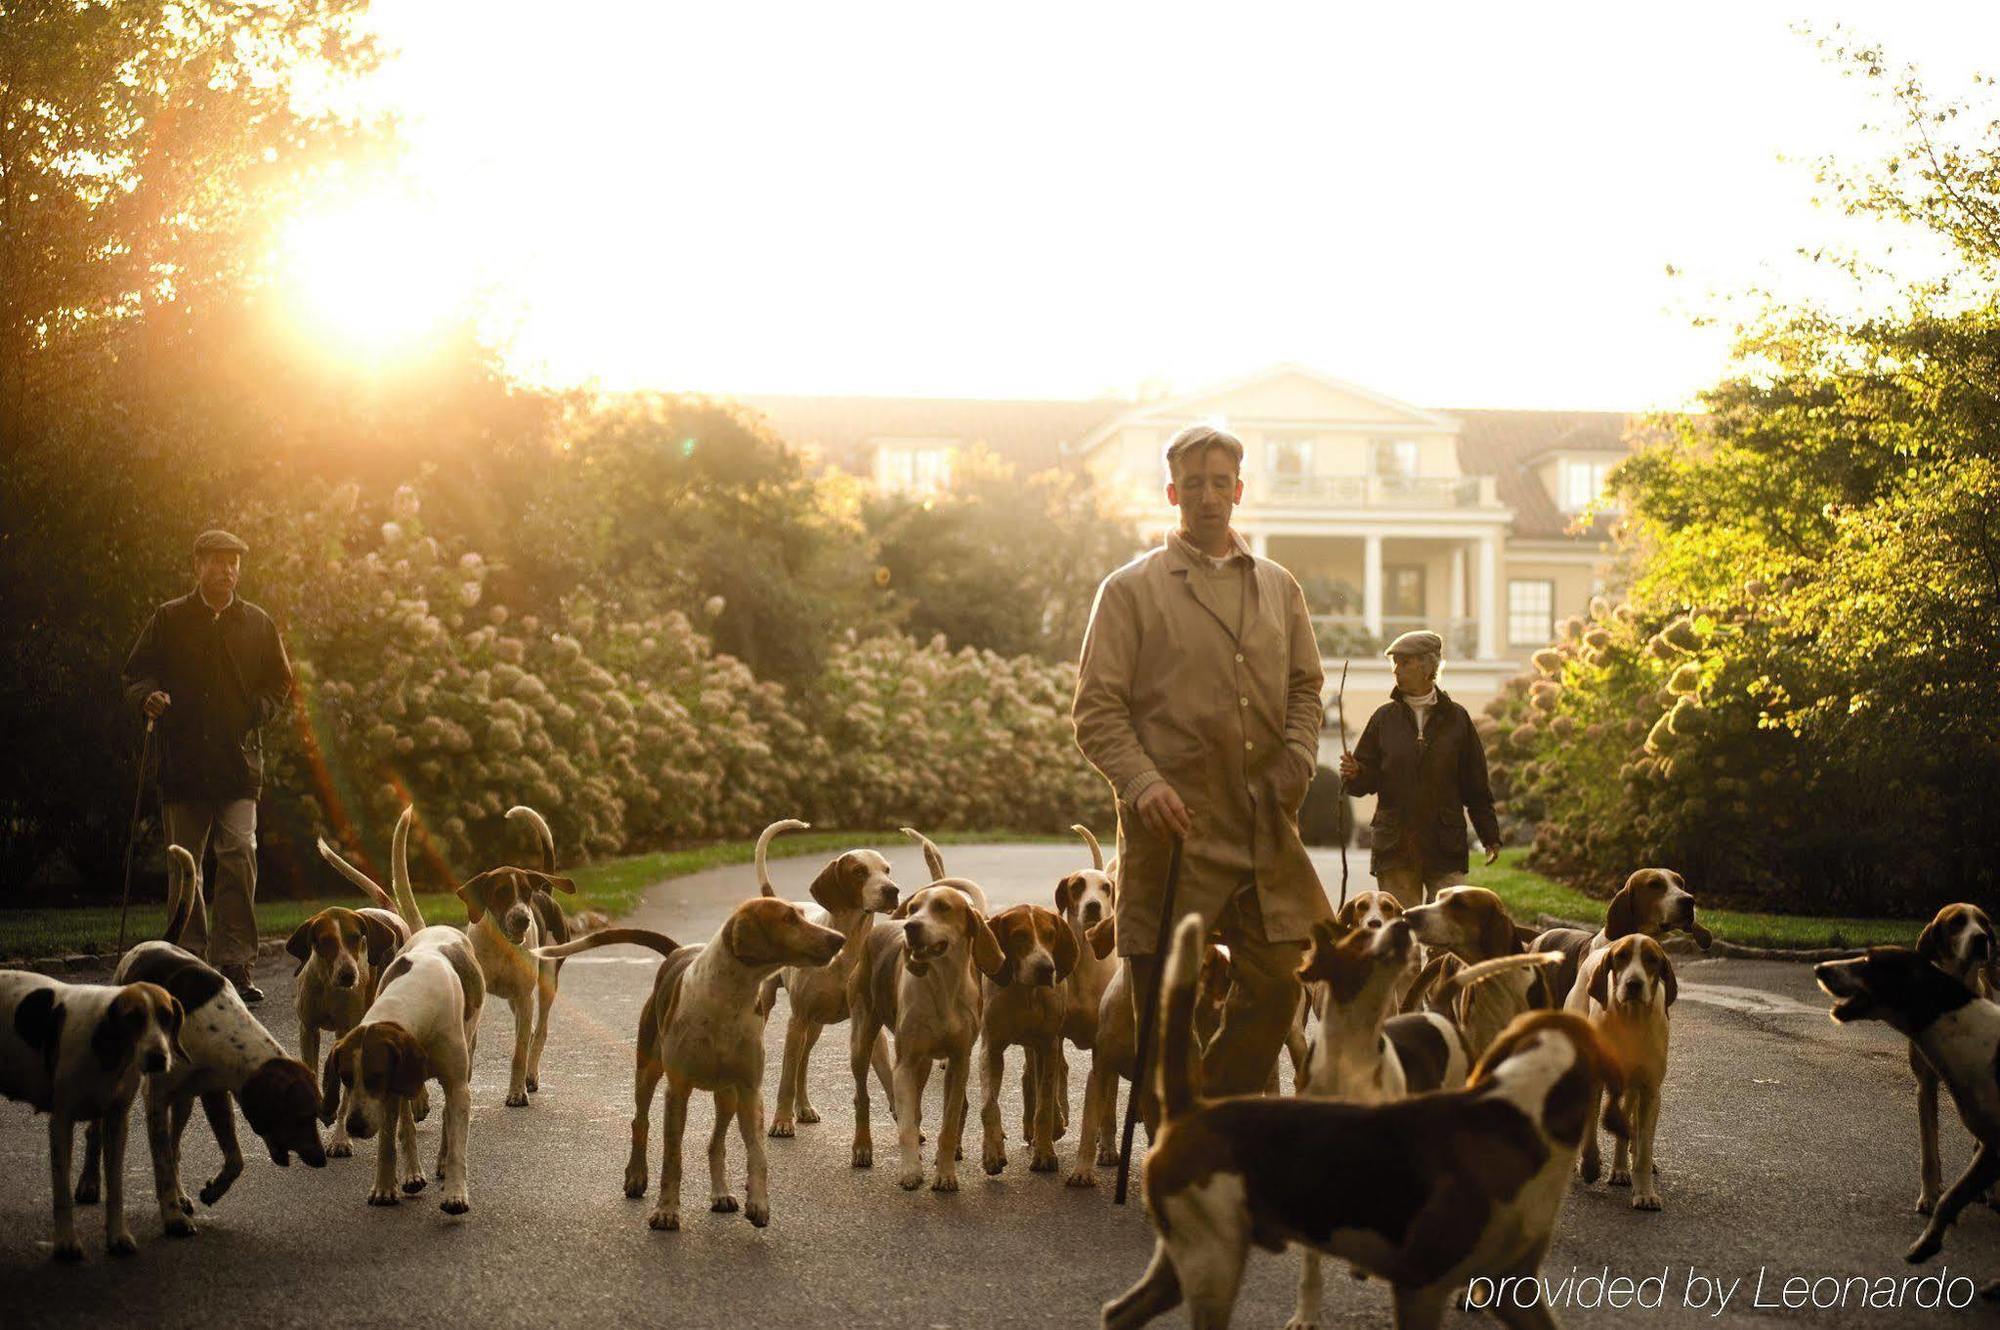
1457	597
1371	586
1489	598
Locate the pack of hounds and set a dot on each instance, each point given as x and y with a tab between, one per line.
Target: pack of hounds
1453	1068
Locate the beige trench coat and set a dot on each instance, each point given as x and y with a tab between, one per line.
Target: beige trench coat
1166	690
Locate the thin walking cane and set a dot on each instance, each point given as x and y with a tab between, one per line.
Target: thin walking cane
1149	1012
1340	815
132	833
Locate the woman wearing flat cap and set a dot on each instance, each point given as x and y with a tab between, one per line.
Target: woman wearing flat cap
1422	760
209	671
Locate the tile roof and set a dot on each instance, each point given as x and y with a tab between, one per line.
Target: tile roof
1507	444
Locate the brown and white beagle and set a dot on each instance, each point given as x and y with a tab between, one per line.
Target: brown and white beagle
1627	990
1958	1033
341	955
1653	901
1960	941
1026	1004
919	978
1087	900
846	896
1471	924
1433	1189
77	1052
701	1030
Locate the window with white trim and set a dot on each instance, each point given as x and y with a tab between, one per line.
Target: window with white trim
1396	459
1289	455
1580	482
913	468
1531	612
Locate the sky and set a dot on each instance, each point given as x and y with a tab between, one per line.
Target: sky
1457	205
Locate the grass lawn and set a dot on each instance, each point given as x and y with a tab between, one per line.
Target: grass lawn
613	886
1528	894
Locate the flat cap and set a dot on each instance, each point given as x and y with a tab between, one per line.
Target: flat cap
216	539
1421	642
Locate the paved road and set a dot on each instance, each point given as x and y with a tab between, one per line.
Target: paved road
1787	1147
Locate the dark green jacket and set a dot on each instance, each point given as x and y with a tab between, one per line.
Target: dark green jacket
1424	787
227	675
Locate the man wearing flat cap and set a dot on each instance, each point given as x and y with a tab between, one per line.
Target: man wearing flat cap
208	670
1422	760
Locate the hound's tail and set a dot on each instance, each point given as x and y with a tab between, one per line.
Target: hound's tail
1484	970
399	872
369	886
932	859
764	839
543	836
184	902
607	937
1096	850
1177	994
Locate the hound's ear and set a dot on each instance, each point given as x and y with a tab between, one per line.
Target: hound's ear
408	1067
838	886
1103	937
1667	977
382	942
1600	978
902	910
1930	944
1622	918
300	942
550	883
1526	934
1066	951
1067	890
473	893
1500	937
1004	927
1327	932
986	953
329	1084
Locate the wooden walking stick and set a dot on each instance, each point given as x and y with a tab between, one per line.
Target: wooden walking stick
132	833
1148	1013
1340	816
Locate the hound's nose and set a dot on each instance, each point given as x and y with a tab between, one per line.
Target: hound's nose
1981	944
1093	913
345	979
1634	990
156	1062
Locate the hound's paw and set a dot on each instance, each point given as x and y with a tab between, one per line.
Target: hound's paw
421	1107
724	1204
1619	1178
807	1113
664	1221
1107	1156
1588	1165
781	1128
1926	1202
1300	1323
379	1196
455	1205
864	1156
1645	1201
759	1215
1044	1163
179	1226
635	1181
534	1085
517	1099
86	1191
120	1244
1926	1247
415	1183
186	1205
339	1150
993	1160
1082	1176
68	1249
211	1191
945	1182
911	1181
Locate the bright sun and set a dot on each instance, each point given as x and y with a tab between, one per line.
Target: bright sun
371	279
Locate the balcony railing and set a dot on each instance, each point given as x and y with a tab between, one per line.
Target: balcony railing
1374	491
1346	635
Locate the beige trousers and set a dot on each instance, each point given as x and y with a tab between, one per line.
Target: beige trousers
229	942
1413	886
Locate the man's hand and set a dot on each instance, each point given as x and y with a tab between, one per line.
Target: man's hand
156	704
1349	768
1492	855
1161	809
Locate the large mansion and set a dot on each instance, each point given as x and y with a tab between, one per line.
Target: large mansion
1391	516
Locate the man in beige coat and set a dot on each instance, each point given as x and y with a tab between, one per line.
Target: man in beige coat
1198	699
